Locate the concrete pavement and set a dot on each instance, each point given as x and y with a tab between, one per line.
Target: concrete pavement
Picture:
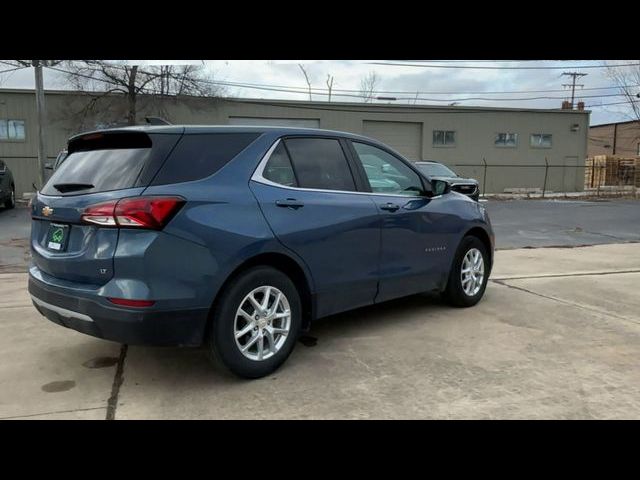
556	336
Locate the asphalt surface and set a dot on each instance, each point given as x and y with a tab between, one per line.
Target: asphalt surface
546	223
15	228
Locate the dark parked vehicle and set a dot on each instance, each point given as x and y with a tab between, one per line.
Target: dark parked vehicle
438	171
7	186
237	238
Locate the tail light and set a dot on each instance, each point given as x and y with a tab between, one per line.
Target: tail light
138	212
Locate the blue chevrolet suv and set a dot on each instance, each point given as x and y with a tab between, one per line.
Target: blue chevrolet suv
237	238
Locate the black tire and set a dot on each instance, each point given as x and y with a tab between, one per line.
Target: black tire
454	293
10	202
221	343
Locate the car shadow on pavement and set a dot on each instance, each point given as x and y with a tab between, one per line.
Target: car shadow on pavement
190	368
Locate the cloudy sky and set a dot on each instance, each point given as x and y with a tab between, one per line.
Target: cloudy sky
472	83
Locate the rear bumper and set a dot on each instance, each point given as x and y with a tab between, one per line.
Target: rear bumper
79	311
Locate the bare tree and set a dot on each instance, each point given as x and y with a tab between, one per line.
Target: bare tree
100	79
368	86
627	80
306	77
329	84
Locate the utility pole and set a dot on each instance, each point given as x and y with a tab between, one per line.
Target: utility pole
40	107
573	85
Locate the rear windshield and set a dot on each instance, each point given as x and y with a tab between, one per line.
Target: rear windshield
97	171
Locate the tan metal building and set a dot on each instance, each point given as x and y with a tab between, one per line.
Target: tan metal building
621	139
514	142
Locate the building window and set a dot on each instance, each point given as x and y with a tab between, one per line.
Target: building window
11	129
541	140
506	140
638	153
444	138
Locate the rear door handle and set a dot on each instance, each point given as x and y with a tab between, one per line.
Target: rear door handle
391	207
290	203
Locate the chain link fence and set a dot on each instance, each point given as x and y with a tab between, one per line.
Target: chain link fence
597	177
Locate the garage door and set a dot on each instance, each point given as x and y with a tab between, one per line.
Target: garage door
404	137
276	122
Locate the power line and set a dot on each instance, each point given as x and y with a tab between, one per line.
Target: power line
325	93
424	92
408	92
362	111
615	103
13	64
12	69
482	67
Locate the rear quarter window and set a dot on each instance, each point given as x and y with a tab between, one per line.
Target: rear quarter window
197	156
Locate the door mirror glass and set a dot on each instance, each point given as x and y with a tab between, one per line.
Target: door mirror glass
440	187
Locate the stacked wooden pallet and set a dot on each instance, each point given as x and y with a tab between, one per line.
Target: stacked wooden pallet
606	170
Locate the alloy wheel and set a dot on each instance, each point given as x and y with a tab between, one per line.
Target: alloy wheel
472	272
262	323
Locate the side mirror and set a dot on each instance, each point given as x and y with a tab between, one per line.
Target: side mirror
48	166
440	187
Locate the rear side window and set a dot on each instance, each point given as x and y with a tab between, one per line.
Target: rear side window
197	156
320	163
278	169
94	171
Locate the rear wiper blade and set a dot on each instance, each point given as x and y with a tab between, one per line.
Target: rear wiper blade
72	187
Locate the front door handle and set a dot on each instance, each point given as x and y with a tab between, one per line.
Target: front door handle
290	203
391	207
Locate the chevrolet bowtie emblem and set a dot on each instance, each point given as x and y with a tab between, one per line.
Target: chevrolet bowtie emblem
46	211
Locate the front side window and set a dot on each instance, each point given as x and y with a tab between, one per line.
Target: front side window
506	140
541	140
278	169
12	129
386	173
320	163
444	138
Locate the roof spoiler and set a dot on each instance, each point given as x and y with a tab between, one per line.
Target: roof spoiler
156	121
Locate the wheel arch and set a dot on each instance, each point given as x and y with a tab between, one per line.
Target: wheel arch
483	236
286	265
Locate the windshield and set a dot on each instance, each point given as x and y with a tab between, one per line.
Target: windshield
435	170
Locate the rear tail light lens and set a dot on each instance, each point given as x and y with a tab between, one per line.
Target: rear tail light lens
137	212
100	214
